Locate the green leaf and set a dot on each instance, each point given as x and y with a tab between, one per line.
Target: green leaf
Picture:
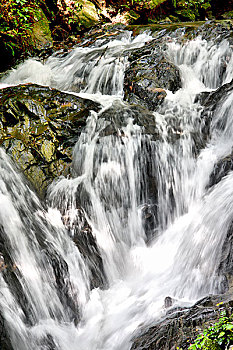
228	326
221	334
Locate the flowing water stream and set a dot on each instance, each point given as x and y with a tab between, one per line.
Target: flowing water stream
109	185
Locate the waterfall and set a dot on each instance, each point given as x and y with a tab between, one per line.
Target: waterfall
120	176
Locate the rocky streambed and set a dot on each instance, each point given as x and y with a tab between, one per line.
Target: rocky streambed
40	125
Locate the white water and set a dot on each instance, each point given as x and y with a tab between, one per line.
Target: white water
110	183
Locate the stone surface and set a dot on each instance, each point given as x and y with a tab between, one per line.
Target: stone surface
180	326
88	15
41	35
211	103
5	343
213	30
39	127
116	121
148	75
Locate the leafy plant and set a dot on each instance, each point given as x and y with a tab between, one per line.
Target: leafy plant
16	18
217	337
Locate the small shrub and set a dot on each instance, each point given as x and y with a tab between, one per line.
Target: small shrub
216	337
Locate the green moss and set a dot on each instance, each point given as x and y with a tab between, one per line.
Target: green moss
187	14
39	127
131	16
87	16
41	35
228	15
191	10
154	3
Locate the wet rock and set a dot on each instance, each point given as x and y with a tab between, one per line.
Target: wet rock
78	228
85	14
148	75
117	121
168	301
211	102
213	30
180	326
103	35
5	343
81	233
226	263
38	128
86	243
221	169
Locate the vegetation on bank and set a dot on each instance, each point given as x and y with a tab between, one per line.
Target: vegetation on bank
217	337
28	26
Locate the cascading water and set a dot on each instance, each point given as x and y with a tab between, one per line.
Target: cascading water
117	176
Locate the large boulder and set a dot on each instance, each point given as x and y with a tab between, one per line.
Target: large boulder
41	35
221	169
81	14
116	121
148	75
39	127
180	326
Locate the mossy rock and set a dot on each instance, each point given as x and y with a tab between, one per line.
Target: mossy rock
39	127
151	4
131	16
192	10
228	15
186	14
41	35
88	15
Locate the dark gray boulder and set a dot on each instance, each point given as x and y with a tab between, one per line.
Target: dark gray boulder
180	326
148	75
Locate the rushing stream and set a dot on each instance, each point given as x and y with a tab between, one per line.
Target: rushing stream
111	189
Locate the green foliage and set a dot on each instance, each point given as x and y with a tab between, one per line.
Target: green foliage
147	4
190	9
216	337
16	18
72	10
